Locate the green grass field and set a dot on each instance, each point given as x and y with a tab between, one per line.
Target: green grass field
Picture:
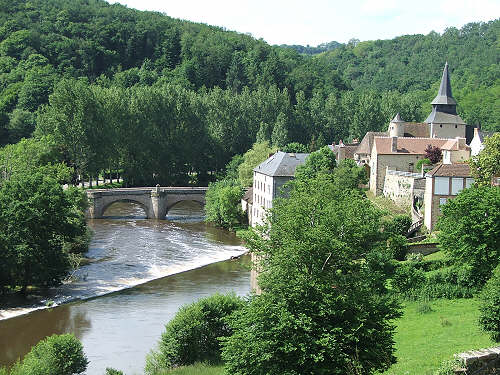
423	341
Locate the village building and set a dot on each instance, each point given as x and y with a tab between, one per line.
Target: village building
477	143
344	150
402	154
268	180
442	183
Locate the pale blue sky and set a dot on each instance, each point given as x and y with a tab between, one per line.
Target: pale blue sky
318	21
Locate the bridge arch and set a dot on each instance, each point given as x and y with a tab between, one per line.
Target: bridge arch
173	203
135	201
155	201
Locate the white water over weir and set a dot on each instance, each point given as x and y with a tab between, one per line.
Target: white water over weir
129	259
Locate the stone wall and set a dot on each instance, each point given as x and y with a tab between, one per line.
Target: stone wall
399	162
400	186
480	362
422	248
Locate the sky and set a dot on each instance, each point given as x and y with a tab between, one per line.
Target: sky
312	22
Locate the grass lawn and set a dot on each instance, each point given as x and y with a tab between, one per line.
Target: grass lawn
423	341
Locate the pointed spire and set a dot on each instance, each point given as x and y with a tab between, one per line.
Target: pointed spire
444	95
397	119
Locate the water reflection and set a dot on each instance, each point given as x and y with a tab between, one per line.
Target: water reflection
19	334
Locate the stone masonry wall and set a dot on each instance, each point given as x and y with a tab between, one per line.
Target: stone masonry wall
480	362
400	186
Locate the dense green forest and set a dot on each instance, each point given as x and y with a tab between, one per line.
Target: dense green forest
169	101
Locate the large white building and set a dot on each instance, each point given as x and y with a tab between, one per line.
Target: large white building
268	180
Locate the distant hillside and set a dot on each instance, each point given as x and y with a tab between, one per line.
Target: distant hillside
309	97
308	50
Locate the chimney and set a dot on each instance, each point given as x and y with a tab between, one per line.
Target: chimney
394	144
476	132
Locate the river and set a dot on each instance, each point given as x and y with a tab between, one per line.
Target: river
141	271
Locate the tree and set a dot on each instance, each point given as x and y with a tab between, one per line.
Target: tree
433	153
489	308
55	355
223	204
349	175
321	161
486	164
295	147
279	136
252	158
321	310
37	218
193	334
470	230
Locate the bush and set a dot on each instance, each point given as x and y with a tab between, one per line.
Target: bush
408	280
56	355
112	371
193	334
449	367
489	317
397	246
398	225
470	229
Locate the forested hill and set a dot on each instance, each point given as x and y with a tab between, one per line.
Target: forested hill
310	50
67	65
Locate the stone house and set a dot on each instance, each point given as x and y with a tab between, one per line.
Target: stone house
344	150
443	182
397	153
268	180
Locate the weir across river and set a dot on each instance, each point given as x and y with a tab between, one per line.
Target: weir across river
156	201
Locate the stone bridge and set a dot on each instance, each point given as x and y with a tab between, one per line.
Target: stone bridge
156	201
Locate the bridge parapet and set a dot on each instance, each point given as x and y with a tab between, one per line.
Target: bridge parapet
156	201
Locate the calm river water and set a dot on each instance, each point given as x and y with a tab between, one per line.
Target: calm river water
143	271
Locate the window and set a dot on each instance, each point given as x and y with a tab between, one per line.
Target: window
442	185
455	126
468	182
457	184
441	125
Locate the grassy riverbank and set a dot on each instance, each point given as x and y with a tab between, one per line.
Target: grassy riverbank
423	338
426	338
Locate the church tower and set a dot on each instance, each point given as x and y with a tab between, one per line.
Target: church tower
444	122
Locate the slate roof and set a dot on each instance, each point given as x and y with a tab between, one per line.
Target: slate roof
397	118
281	164
444	95
365	147
439	117
406	145
450	170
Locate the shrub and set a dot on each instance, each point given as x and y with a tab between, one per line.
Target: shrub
470	229
420	164
193	334
448	367
408	280
433	153
112	371
397	246
489	317
398	225
55	355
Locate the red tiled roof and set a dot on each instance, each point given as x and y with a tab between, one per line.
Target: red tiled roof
451	170
407	145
